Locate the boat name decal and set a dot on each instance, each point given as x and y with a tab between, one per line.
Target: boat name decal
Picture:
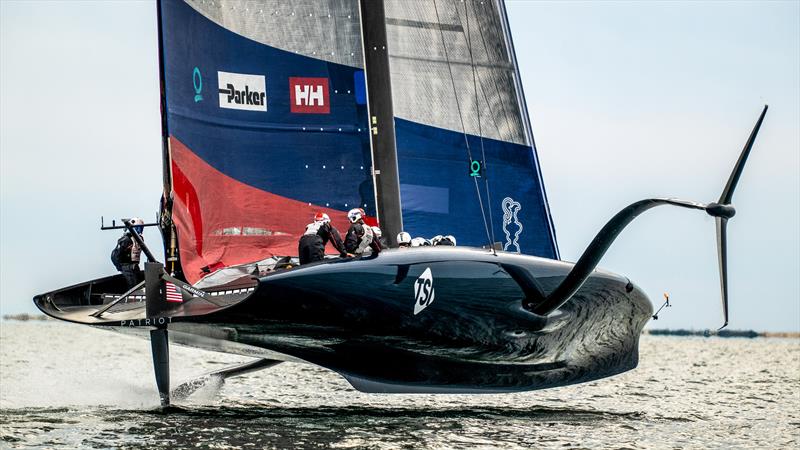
309	95
148	322
510	214
423	291
242	91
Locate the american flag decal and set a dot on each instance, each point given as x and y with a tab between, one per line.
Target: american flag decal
173	293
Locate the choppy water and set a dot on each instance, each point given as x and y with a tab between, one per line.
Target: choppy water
69	386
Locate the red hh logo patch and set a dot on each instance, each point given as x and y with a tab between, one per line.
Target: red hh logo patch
309	95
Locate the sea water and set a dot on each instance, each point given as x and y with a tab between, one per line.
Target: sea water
70	386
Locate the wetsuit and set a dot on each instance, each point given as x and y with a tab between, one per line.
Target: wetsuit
359	237
312	244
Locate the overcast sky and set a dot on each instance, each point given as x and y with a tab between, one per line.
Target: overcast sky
628	101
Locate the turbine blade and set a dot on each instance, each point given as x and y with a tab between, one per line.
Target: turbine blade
727	193
722	253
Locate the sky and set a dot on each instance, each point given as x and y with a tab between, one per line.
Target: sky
628	100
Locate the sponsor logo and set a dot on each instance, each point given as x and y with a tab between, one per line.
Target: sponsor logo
423	291
510	215
197	81
242	91
476	168
309	95
193	290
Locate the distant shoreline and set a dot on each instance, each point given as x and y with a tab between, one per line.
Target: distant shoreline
24	317
722	333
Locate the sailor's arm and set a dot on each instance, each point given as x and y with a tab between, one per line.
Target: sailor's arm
336	240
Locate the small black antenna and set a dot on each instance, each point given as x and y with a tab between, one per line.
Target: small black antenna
665	305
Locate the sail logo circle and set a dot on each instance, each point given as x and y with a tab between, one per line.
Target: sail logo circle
197	82
475	168
511	210
423	291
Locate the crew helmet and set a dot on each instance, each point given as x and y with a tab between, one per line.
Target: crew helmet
403	239
321	217
420	242
138	224
355	215
377	232
444	240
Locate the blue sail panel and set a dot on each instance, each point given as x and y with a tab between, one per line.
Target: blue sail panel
439	195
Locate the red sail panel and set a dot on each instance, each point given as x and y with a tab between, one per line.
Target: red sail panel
223	222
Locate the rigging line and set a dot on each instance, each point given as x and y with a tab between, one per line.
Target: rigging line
480	128
461	116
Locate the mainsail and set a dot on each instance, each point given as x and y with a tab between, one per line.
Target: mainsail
266	123
266	115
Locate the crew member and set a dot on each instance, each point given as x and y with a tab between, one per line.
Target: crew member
312	244
360	235
420	242
379	236
127	254
403	239
444	240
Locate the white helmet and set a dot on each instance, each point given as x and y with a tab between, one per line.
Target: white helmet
355	215
377	232
321	217
403	239
436	239
444	240
138	224
420	242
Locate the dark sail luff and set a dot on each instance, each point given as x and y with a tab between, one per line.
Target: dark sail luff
379	96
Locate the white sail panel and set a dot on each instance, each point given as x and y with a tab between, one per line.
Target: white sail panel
429	39
329	30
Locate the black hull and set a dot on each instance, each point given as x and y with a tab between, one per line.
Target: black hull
357	317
